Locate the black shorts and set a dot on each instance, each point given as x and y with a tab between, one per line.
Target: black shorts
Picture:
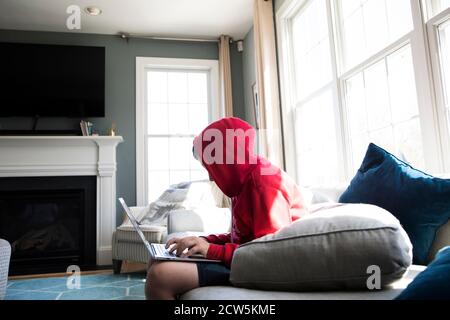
213	274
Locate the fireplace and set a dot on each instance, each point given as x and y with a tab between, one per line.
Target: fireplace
50	222
64	157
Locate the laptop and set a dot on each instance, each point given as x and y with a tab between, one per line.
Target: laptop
158	251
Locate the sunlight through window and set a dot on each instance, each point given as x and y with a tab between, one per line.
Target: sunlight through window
177	110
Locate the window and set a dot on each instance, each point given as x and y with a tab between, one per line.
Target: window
175	102
382	108
368	26
313	65
314	100
434	7
358	71
444	53
438	27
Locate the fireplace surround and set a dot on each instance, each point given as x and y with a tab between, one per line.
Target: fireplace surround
90	158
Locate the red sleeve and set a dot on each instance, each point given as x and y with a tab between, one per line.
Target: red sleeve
220	248
219	238
223	253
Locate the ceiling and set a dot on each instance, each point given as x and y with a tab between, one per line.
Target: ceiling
165	18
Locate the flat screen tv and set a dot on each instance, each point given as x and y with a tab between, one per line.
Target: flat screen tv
51	81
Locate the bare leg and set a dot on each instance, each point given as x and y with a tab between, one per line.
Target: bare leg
166	280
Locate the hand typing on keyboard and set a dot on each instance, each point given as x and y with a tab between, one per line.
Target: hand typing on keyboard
189	246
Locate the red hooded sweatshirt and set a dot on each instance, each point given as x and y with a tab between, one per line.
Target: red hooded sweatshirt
263	197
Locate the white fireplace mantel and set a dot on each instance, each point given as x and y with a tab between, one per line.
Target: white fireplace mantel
38	156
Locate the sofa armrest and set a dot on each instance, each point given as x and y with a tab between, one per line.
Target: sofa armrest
207	220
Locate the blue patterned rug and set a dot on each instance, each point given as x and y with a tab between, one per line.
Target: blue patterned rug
92	287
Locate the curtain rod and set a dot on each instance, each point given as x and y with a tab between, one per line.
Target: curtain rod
127	36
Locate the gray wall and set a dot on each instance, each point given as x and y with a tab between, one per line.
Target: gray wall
249	75
120	88
237	81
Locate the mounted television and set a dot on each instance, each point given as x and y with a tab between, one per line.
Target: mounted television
51	81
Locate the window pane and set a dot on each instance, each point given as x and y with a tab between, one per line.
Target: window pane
157	86
434	7
402	86
178	118
198	175
384	138
198	118
316	142
158	153
409	142
358	146
444	44
370	25
181	97
158	181
180	152
377	96
375	24
311	48
178	87
158	118
198	87
382	108
354	38
177	176
355	101
399	18
177	104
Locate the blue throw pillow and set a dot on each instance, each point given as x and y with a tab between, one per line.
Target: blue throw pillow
419	201
433	283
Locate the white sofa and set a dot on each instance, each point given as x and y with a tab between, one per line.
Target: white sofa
200	223
5	255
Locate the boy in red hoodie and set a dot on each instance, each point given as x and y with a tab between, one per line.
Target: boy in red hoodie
263	198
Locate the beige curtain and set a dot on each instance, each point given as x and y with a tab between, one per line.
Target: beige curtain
226	93
267	79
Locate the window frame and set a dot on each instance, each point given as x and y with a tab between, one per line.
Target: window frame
432	26
431	127
143	64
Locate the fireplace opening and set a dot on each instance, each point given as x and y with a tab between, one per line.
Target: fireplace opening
50	223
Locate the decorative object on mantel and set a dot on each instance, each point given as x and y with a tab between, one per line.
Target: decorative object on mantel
86	128
113	130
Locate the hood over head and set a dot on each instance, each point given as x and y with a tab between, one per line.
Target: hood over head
225	149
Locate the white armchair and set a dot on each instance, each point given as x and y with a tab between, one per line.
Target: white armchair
196	207
5	255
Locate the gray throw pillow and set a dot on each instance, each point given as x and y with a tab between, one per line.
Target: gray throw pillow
331	249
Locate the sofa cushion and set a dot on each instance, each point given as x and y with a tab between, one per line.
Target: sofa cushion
127	233
433	283
421	202
327	250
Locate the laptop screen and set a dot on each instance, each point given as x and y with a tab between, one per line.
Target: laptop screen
134	222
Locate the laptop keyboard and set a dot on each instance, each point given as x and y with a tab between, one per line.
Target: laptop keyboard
162	251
